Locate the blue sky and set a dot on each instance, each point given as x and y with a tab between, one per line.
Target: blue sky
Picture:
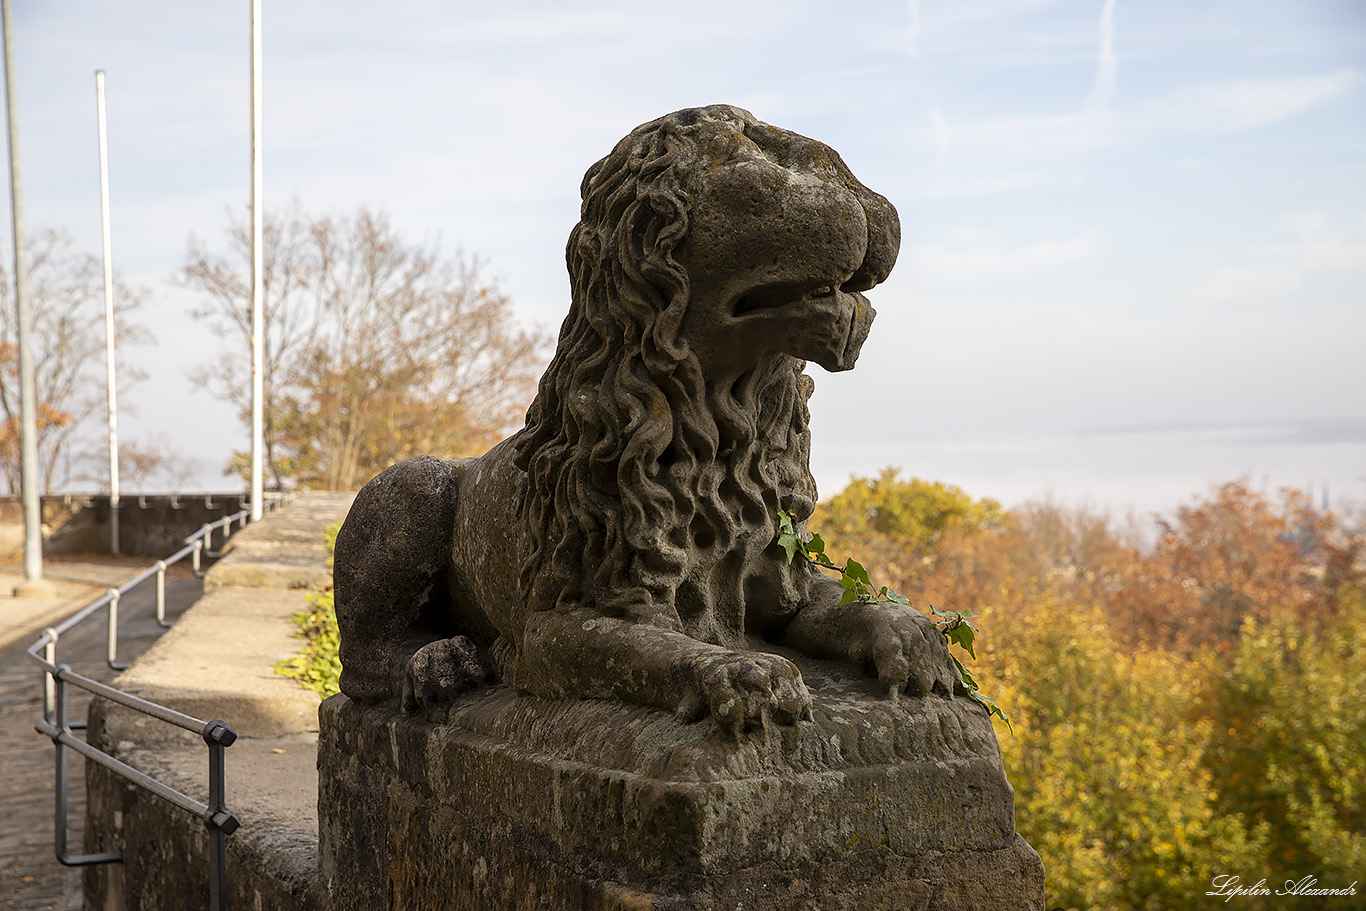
1134	255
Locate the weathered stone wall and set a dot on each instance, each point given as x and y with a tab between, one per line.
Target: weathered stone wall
150	526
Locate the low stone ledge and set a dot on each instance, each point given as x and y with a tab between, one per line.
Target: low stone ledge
287	552
218	662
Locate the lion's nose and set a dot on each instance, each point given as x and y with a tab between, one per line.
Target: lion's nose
884	240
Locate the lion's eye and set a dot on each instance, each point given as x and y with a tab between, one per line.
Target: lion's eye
824	291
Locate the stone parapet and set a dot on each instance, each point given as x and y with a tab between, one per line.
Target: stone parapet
152	526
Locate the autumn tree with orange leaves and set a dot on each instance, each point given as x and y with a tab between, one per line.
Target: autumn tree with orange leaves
66	291
1181	707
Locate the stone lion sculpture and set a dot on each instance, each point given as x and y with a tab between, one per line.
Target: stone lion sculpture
623	544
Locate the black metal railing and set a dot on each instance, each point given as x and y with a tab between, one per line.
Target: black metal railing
59	727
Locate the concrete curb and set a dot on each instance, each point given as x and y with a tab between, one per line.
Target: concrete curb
218	661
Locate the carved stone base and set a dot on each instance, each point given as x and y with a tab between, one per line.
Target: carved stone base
527	803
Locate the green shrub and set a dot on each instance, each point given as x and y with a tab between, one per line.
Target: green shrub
317	667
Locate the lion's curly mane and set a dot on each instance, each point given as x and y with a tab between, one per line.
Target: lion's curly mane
634	466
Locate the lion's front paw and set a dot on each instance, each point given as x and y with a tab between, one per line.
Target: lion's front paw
440	671
904	649
743	690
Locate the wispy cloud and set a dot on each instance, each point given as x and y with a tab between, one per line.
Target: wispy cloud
1248	103
1052	144
913	28
1107	64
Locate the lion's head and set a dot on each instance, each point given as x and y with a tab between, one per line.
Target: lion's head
714	255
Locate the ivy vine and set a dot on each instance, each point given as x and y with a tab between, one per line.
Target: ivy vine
956	626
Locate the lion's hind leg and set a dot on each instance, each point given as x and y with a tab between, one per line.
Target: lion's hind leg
390	572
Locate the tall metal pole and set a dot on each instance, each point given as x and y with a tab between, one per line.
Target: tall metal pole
257	261
109	321
28	404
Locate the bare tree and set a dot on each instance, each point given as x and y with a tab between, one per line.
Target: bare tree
376	349
155	464
67	307
288	308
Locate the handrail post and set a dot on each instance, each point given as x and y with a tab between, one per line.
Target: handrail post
194	558
49	686
161	594
59	773
112	638
219	821
60	730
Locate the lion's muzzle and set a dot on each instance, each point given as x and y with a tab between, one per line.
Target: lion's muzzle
833	330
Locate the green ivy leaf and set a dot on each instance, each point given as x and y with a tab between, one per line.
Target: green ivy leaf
787	537
968	679
963	635
991	706
854	569
993	709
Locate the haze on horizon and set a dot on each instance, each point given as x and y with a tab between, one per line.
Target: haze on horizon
1134	235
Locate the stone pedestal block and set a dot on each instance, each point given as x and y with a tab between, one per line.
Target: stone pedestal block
519	802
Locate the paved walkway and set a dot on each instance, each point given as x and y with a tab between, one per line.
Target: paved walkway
77	579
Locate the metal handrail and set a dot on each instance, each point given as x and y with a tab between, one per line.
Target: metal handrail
216	733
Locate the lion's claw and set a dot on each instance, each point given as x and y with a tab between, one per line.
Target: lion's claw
905	650
744	690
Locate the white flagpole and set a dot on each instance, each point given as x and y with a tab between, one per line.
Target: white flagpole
28	394
257	259
109	320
